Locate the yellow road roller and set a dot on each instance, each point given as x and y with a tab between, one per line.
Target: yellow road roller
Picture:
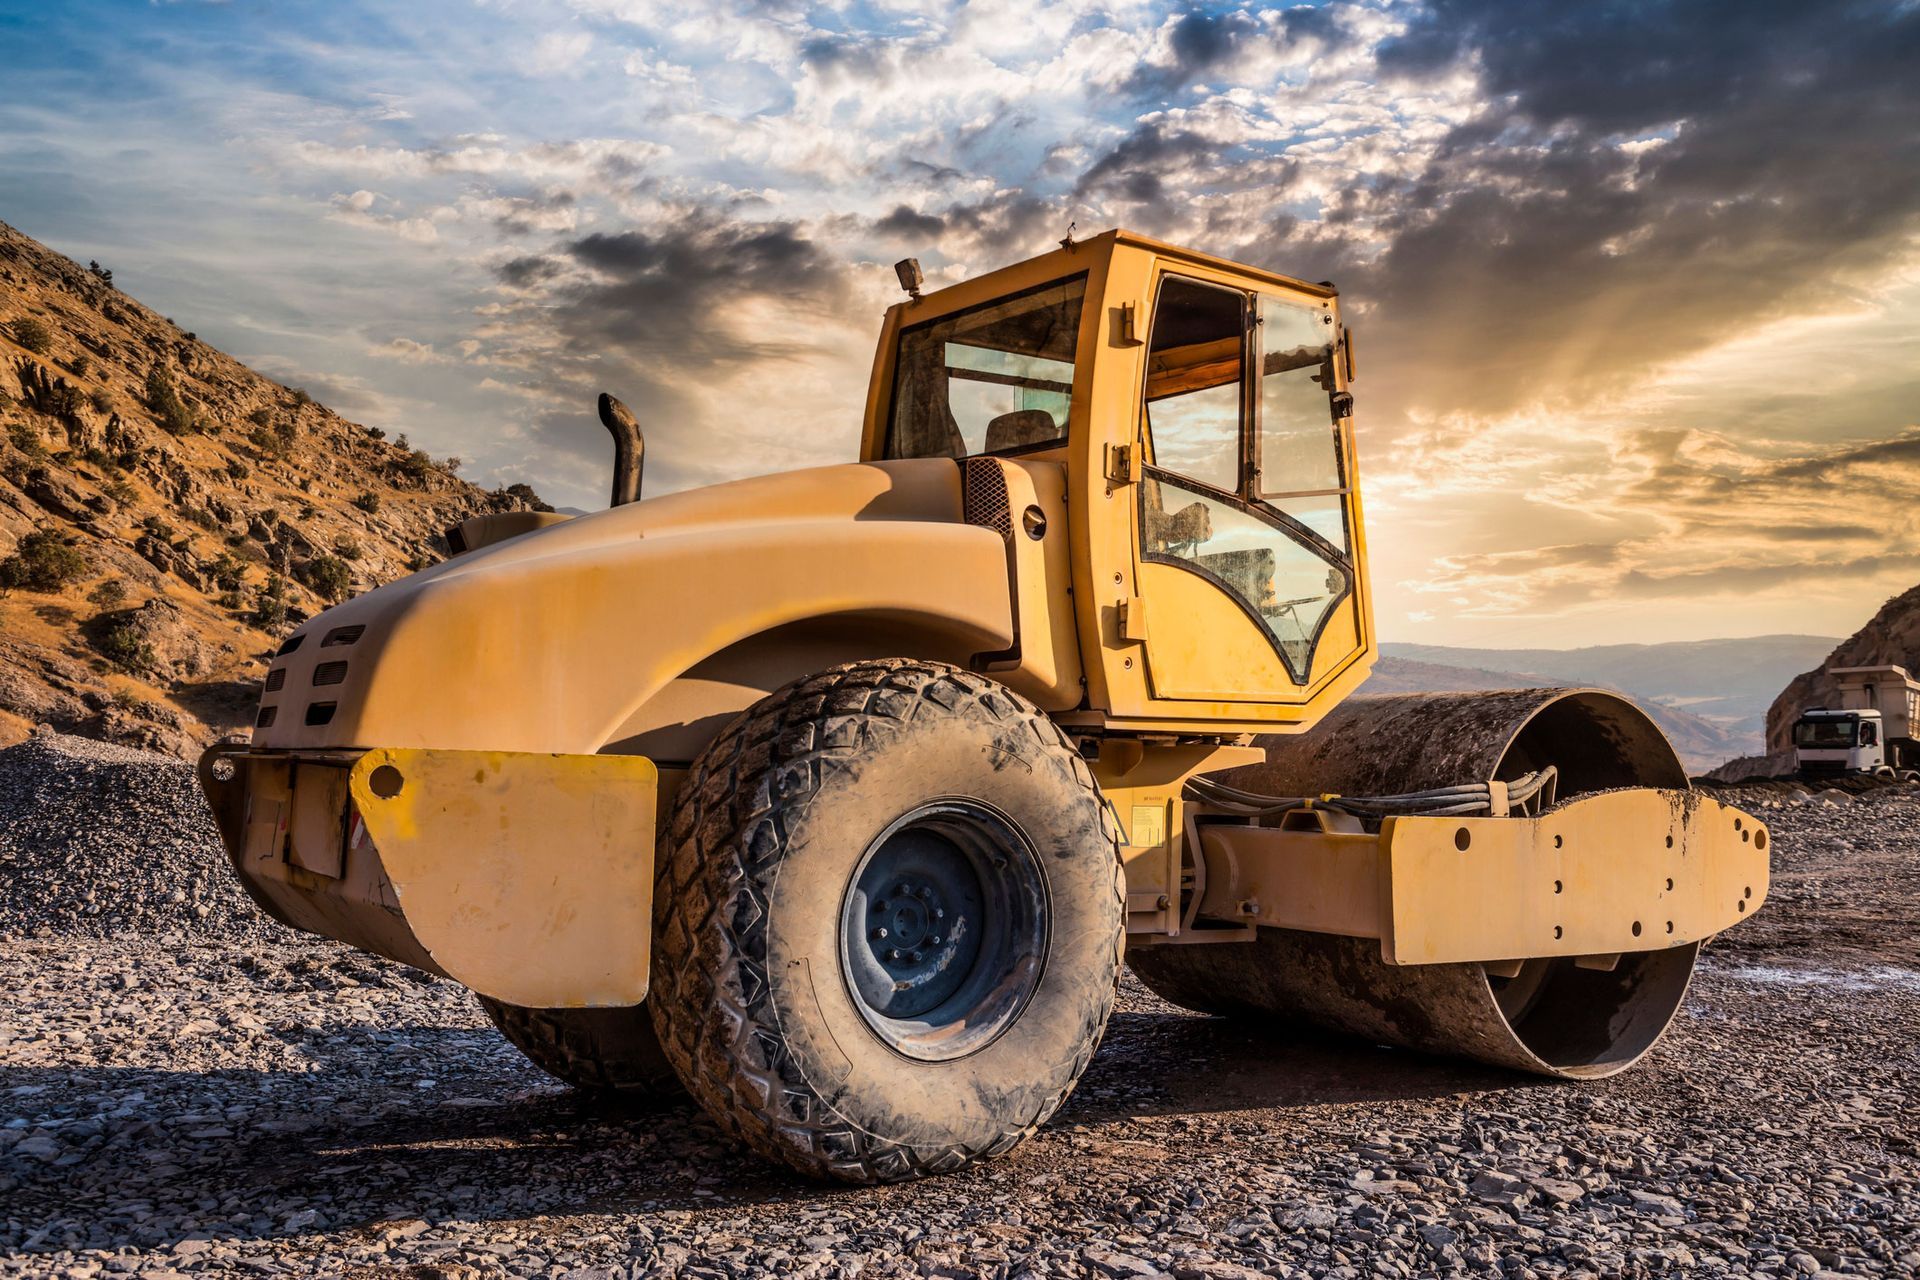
838	798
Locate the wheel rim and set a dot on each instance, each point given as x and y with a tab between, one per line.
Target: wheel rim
943	931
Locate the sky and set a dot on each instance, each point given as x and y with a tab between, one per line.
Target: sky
1635	286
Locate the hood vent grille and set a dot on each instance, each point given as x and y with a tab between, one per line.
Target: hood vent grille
984	488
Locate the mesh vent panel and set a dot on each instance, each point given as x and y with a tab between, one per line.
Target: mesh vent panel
984	486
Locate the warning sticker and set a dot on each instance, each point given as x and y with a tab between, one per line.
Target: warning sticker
1149	826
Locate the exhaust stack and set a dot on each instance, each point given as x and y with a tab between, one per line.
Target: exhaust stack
629	449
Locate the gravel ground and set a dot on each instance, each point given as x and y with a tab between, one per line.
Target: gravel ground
196	1104
149	867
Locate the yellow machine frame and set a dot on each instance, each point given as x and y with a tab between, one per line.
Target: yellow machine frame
538	698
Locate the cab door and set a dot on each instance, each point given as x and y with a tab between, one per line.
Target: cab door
1244	522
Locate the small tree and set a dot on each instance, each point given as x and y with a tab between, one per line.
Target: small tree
42	563
108	593
270	604
166	404
346	548
118	640
32	334
105	276
367	500
227	570
326	576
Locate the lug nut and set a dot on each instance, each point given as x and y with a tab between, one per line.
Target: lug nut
879	935
923	893
881	905
893	953
933	940
939	914
902	889
913	957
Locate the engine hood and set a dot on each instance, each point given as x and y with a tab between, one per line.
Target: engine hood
549	641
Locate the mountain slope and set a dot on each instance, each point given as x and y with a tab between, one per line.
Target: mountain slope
166	513
1891	636
1701	744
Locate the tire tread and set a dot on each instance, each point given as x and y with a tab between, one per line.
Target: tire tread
711	1000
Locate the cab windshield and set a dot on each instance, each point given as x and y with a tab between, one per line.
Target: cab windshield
996	378
1834	733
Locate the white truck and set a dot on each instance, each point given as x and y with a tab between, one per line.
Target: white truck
1871	731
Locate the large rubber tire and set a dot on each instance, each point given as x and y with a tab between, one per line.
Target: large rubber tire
753	993
599	1050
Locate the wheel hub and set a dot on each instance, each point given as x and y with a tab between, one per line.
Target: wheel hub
943	929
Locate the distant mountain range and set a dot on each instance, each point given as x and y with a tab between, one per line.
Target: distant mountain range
1711	696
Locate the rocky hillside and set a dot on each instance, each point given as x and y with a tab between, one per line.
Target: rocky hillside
1890	636
167	514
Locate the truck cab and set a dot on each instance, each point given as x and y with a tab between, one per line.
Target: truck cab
1839	741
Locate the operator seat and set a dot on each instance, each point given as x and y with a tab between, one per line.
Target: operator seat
1019	428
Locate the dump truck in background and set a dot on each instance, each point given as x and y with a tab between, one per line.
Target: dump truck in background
839	797
1872	730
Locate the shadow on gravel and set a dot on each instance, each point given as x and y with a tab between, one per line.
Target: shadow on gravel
362	1150
561	1153
1171	1063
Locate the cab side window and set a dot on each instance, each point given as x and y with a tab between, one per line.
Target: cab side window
1194	382
1299	460
996	378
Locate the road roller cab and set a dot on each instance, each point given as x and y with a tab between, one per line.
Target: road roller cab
837	797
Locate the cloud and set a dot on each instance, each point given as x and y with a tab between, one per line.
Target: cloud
1231	44
610	164
699	322
904	223
558	52
359	208
407	351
